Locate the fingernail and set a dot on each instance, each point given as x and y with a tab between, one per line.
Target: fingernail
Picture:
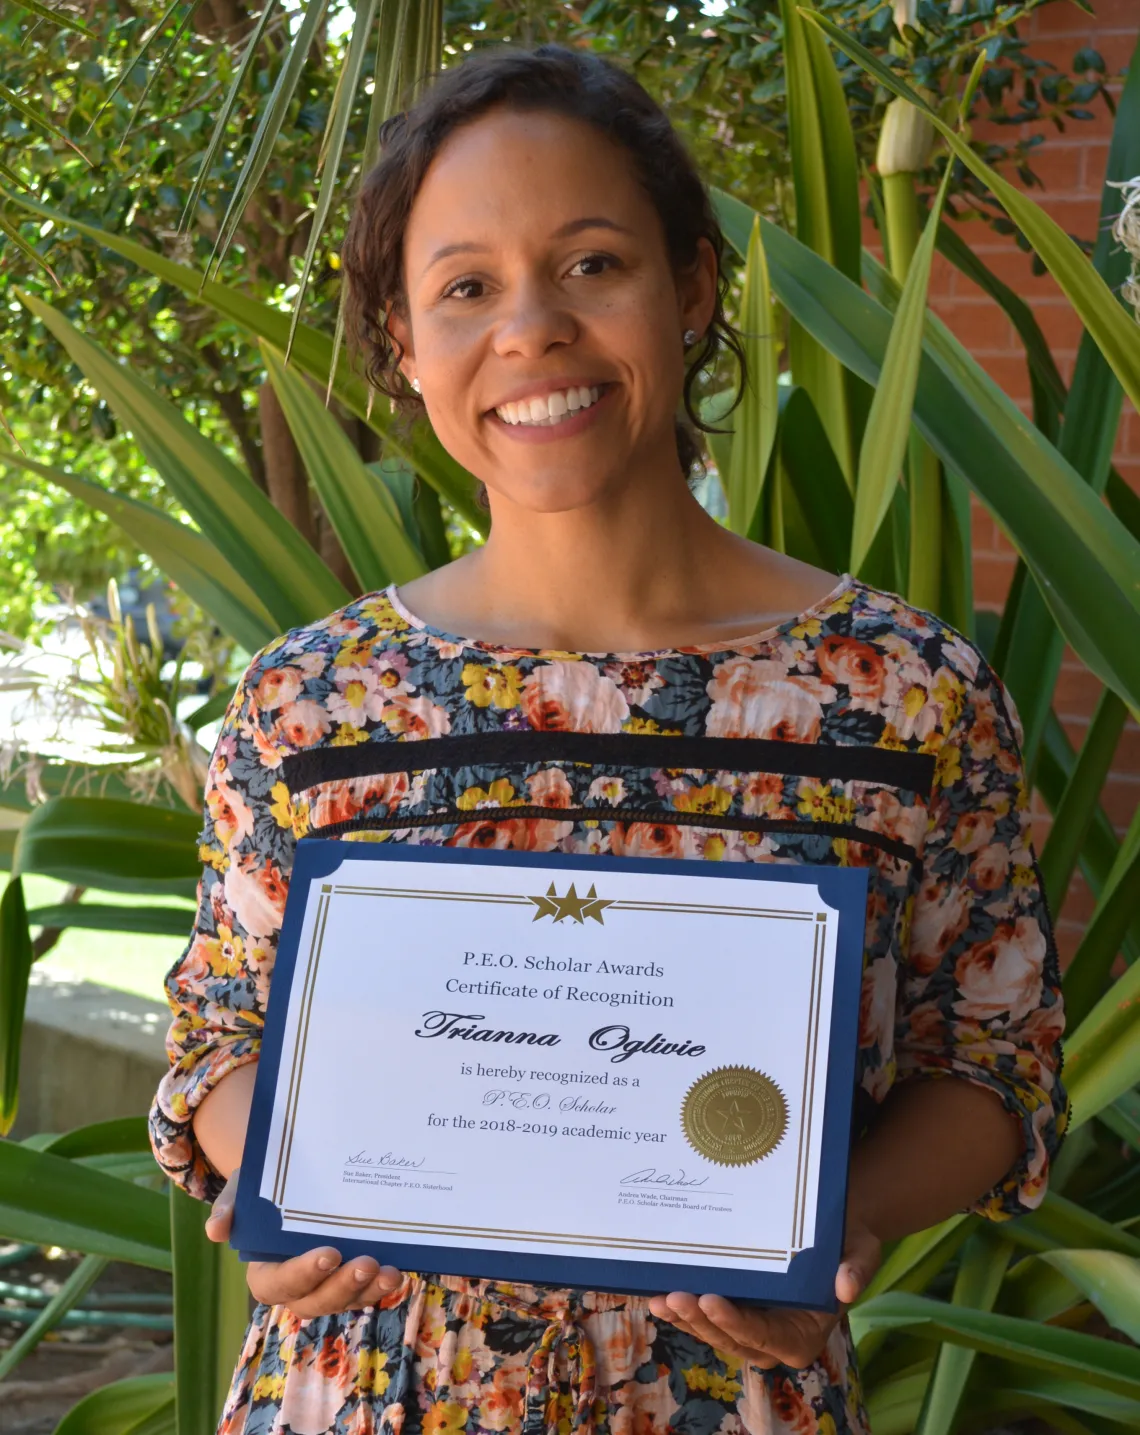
359	1276
325	1263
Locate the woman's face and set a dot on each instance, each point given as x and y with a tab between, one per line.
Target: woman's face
539	288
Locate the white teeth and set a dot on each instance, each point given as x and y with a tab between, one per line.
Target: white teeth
550	410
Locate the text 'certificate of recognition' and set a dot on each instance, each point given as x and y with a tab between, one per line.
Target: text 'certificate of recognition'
559	1070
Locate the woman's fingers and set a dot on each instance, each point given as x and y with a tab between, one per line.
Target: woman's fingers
683	1310
221	1216
792	1337
862	1254
318	1284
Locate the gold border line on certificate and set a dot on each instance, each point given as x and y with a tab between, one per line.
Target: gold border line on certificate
426	1228
300	1041
807	1102
328	891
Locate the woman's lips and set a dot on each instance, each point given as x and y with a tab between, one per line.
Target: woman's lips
571	426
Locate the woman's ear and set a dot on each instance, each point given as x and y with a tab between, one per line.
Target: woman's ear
696	289
401	333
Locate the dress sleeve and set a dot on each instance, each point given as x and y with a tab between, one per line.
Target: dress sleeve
980	992
219	987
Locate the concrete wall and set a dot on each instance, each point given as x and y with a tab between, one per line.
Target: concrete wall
89	1054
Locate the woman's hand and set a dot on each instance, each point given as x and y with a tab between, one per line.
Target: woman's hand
313	1284
766	1338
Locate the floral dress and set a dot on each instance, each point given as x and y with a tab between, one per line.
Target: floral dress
861	733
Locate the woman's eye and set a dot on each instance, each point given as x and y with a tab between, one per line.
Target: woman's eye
453	289
601	261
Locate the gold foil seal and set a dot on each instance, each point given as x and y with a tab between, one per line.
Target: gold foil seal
734	1115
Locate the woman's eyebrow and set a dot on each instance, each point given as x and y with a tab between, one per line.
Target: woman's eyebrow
573	226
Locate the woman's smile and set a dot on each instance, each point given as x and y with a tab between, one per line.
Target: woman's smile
543	418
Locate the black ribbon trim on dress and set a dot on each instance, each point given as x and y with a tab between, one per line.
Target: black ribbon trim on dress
646	816
911	771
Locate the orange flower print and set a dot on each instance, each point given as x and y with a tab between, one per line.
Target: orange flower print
1003	974
573	697
763	795
445	1417
754	697
230	814
549	788
646	839
303	723
255	892
793	1412
856	666
278	687
341	801
415	718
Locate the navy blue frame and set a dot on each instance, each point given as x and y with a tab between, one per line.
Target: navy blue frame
810	1278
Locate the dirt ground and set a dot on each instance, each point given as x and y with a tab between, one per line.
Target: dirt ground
72	1362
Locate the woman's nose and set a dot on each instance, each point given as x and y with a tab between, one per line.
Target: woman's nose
532	319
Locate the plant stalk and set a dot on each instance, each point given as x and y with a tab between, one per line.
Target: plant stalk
924	579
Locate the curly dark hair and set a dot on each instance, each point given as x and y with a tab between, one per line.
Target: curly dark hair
574	83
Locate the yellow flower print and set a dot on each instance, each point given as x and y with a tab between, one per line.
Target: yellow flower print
445	1417
640	724
709	798
301	817
948	765
714	849
1023	877
811	629
818	803
373	1377
269	1387
696	1377
280	807
731	1366
825	1424
721	1388
948	691
355	654
485	686
890	739
461	1366
178	1106
225	953
499	794
347	736
914	701
215	857
366	835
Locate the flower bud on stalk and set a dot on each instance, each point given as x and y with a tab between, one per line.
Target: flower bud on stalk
905	140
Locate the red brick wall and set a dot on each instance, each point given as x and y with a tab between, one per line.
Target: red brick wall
1072	167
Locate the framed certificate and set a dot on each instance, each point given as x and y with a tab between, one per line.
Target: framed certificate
622	1074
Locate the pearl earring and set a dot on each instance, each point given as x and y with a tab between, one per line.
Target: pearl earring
416	385
689	338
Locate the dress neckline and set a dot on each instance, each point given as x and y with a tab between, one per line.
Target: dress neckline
727	645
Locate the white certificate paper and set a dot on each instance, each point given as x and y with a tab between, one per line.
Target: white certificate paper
615	1063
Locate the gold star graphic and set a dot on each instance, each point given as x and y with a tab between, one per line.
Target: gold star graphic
571	905
732	1118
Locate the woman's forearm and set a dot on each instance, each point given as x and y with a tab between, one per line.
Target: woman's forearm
221	1119
935	1148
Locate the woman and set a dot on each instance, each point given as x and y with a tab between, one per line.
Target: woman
532	259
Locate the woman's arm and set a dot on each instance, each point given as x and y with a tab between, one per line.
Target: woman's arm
313	1284
935	1148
